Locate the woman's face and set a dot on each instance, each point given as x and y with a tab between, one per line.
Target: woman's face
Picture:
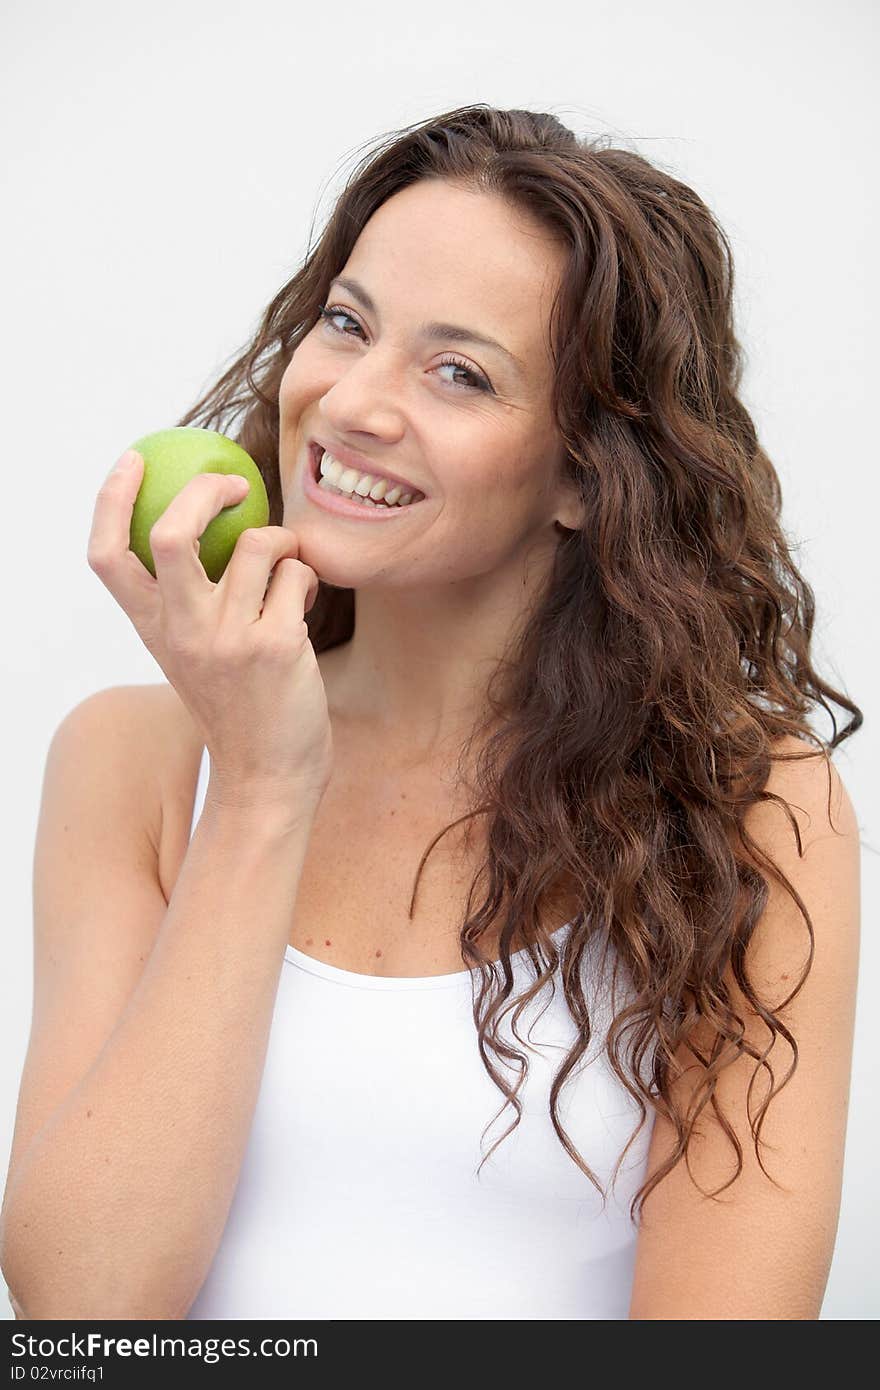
467	423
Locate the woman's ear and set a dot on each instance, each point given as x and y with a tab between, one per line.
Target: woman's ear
570	508
571	511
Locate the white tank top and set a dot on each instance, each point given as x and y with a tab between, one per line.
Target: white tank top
357	1196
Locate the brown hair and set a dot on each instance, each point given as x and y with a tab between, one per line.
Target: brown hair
670	653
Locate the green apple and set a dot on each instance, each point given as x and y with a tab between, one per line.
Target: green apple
171	458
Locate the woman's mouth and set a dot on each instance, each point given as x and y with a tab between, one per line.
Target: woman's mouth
352	492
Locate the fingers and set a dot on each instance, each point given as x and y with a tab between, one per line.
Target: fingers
292	592
244	581
111	520
181	585
109	555
174	538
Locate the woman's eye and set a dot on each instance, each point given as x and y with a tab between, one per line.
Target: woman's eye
477	382
329	314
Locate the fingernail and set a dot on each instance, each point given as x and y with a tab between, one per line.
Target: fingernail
128	458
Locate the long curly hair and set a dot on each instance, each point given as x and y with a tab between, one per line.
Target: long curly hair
670	652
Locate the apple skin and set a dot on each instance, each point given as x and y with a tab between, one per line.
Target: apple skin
171	457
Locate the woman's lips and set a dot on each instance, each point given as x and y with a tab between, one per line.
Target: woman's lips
342	505
318	451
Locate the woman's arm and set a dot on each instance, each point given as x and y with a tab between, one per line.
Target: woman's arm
755	1251
123	1181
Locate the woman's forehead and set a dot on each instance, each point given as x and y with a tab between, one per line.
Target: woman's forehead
437	253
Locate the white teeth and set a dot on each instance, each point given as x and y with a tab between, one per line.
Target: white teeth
346	483
330	468
326	484
349	481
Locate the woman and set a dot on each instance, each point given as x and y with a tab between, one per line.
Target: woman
536	705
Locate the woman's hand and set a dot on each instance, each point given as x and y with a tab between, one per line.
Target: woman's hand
240	658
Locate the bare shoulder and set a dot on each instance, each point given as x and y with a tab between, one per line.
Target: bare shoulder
154	708
728	1236
804	790
157	740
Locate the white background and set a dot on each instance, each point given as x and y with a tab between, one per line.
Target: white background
161	168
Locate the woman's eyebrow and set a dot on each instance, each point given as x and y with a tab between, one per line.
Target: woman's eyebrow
448	331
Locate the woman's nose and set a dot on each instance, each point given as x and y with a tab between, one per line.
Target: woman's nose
365	397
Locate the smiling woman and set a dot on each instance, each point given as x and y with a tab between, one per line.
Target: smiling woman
568	681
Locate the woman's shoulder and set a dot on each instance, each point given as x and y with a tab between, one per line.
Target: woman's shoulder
143	720
155	720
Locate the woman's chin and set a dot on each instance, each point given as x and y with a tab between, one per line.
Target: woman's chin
330	556
330	569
